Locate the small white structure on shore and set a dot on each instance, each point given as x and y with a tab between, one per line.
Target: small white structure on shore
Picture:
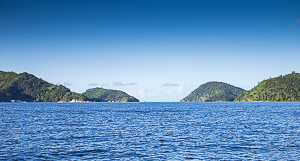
75	100
18	101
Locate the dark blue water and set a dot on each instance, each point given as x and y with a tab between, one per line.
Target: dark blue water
150	131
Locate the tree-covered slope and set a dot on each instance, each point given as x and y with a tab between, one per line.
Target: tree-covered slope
27	87
282	88
108	95
213	92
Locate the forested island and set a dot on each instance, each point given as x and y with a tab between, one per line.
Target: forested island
29	88
214	92
282	88
108	95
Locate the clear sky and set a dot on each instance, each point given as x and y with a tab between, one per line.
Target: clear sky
155	50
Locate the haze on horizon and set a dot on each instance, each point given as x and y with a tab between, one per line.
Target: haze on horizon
153	50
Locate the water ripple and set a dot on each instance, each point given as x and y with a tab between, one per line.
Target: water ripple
150	131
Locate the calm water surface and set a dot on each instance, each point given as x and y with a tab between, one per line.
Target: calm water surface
150	131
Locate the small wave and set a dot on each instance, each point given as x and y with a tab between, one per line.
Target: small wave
86	152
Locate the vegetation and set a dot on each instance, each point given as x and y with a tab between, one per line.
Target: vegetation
213	92
107	95
27	87
282	88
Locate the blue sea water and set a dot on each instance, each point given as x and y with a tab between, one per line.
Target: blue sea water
150	131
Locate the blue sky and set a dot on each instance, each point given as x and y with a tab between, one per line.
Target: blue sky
153	50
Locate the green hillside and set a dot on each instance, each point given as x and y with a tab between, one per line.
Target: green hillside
213	92
282	88
27	87
108	95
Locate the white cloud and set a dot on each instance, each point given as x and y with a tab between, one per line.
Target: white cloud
141	93
162	94
154	93
171	84
93	84
180	89
123	84
131	84
117	84
67	84
175	91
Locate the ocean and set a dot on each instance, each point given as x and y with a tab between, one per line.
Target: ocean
150	131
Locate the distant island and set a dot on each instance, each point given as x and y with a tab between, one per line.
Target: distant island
282	88
26	87
214	92
108	95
